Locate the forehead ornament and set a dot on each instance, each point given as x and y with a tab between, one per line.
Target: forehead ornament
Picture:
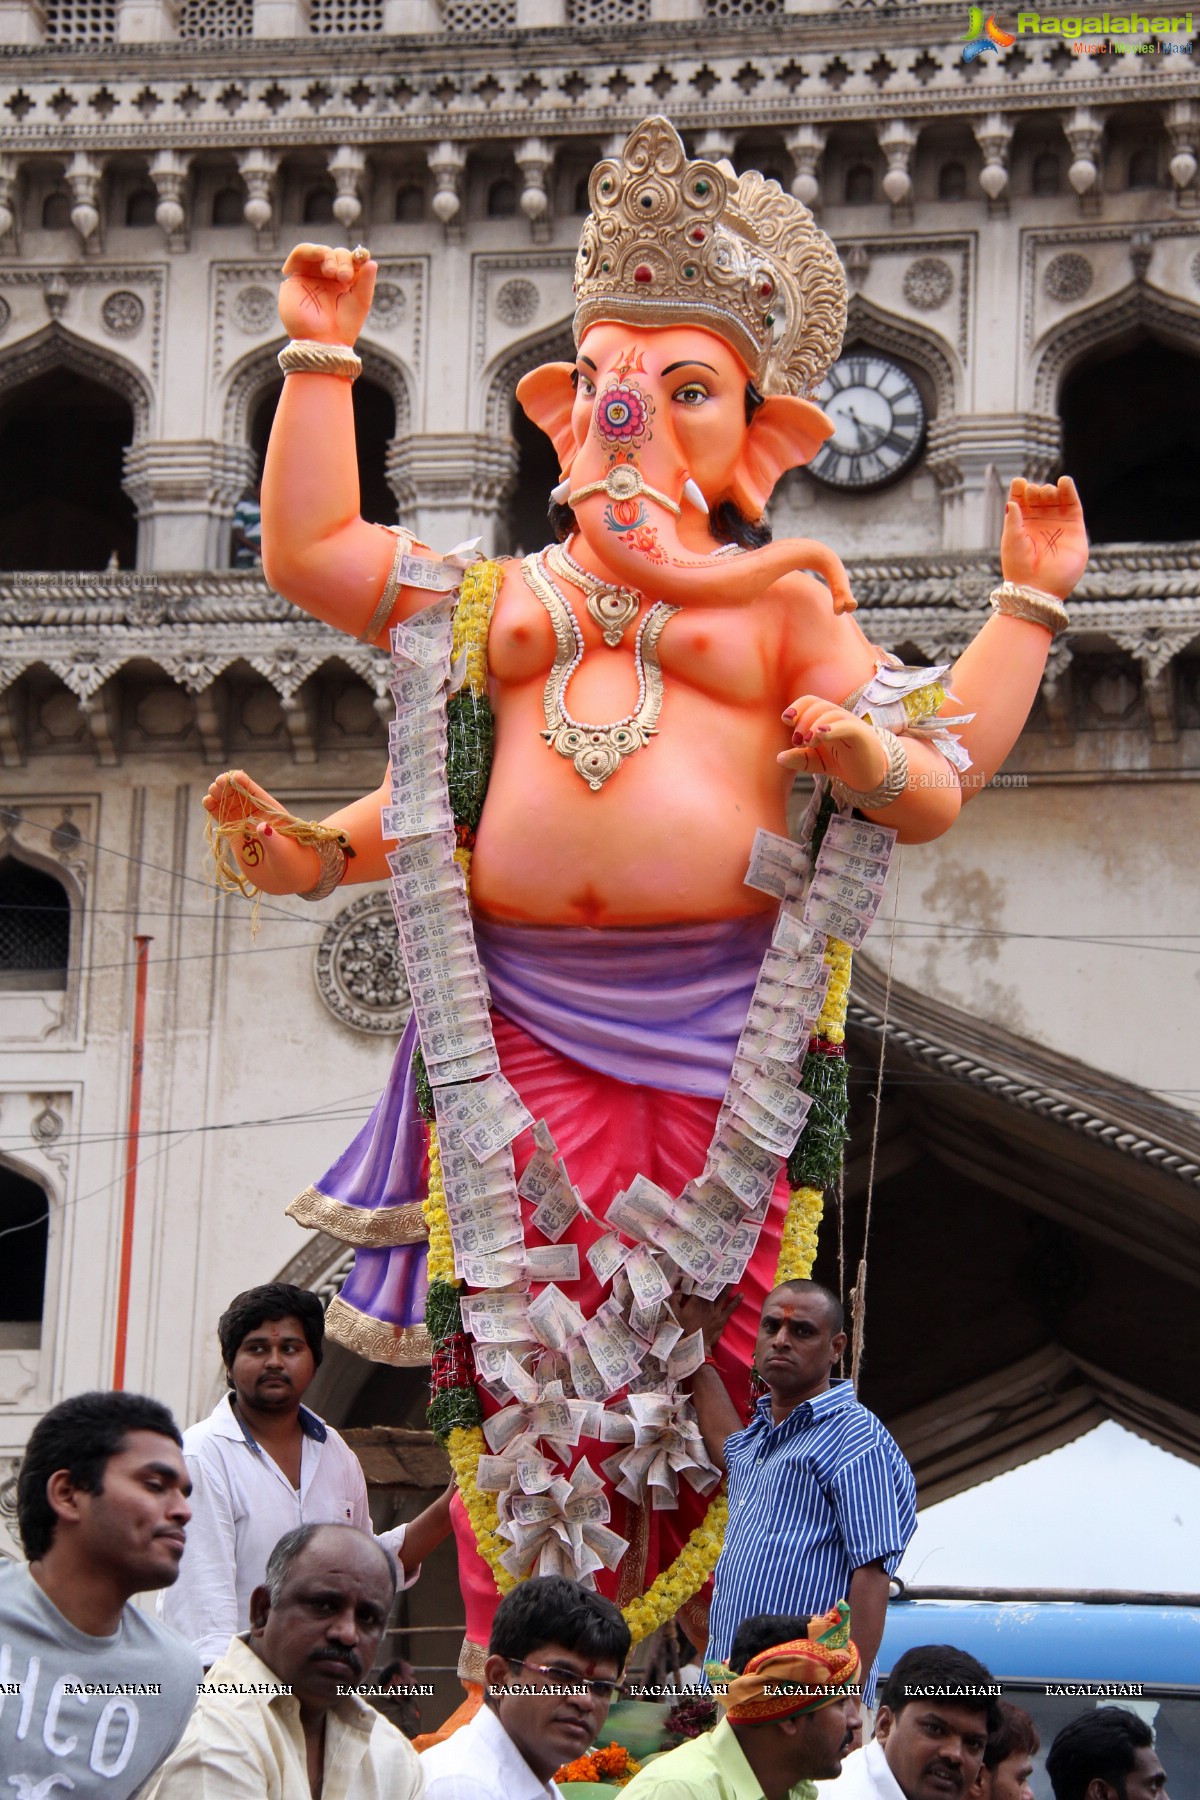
673	242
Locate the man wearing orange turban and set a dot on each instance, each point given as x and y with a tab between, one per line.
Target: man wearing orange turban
790	1716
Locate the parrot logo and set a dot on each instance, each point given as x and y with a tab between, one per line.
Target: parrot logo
981	36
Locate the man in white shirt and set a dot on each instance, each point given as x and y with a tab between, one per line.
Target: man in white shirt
554	1662
277	1718
262	1463
937	1709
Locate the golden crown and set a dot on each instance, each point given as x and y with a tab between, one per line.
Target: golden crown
670	242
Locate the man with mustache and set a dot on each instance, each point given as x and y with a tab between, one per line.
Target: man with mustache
262	1463
277	1718
937	1710
791	1707
821	1501
554	1663
93	1693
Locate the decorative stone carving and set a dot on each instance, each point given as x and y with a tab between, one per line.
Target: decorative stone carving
1195	268
928	283
359	970
1068	276
5	315
254	310
517	302
122	314
387	307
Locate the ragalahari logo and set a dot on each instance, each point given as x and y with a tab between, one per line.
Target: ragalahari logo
981	36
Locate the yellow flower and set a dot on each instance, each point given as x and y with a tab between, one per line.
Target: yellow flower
472	616
832	1022
798	1243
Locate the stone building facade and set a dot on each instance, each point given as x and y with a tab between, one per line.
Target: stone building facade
1022	238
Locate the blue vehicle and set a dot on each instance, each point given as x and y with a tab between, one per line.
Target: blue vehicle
1045	1645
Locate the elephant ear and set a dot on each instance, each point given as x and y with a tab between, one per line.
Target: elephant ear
548	395
784	433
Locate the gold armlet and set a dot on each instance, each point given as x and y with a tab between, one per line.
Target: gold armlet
1017	602
391	587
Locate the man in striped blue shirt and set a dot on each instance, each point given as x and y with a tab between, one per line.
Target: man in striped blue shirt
821	1502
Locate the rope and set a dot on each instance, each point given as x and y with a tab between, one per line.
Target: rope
858	1296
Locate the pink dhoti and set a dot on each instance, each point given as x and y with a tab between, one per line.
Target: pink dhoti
622	1041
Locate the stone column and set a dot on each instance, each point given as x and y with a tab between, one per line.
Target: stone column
282	18
535	159
447	162
806	146
1085	132
8	200
403	18
1183	128
973	457
169	173
898	140
22	22
348	165
258	169
453	485
993	134
84	174
185	491
147	21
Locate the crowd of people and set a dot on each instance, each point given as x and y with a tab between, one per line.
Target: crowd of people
274	1596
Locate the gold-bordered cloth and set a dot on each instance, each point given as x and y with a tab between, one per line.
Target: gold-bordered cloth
377	1228
403	1346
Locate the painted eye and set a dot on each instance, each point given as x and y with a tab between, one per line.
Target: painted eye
586	386
692	393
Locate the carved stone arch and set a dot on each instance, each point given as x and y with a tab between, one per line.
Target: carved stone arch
555	343
1111	325
55	347
931	353
259	369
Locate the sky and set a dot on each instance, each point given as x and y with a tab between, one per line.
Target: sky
1108	1510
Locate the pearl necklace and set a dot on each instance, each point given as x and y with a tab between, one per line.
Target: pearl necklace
613	608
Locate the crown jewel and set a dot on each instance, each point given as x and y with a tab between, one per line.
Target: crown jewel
670	242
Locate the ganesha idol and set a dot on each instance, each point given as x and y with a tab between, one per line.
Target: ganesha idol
628	987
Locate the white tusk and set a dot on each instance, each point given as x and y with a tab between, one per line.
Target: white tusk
692	492
558	494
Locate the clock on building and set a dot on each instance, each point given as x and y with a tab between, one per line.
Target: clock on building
879	421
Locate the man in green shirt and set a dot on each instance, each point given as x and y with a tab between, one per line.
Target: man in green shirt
791	1708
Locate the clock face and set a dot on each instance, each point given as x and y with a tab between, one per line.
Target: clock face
879	423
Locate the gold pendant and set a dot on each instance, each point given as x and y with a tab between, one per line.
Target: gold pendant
614	610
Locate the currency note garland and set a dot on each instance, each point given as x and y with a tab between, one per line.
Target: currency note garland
614	1377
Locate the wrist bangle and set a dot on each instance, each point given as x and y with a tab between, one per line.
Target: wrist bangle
331	853
1018	602
305	356
895	778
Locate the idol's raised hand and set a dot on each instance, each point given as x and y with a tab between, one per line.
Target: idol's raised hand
326	294
245	818
1044	544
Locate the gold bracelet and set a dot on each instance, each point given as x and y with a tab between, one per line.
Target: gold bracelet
305	356
391	587
1018	602
894	782
332	855
623	483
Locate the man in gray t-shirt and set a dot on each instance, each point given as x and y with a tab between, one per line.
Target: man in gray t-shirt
93	1693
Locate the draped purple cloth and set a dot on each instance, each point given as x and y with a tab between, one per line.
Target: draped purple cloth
657	1006
654	1006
